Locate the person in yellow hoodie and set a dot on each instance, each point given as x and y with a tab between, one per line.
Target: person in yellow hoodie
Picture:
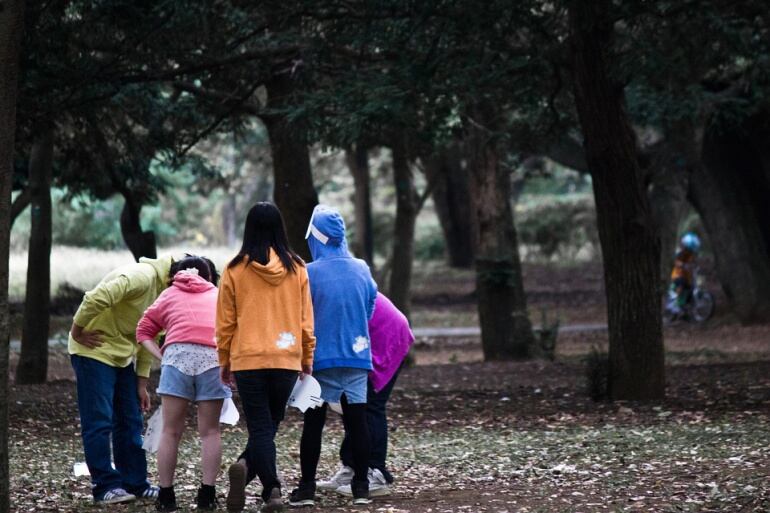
264	339
111	392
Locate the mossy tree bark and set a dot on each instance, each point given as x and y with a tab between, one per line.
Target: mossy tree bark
33	361
506	331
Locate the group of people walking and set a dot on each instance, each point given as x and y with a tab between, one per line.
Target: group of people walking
270	319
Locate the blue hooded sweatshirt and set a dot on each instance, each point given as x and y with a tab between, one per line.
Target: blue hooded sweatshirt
343	293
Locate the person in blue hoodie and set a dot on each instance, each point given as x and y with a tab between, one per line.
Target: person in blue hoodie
343	294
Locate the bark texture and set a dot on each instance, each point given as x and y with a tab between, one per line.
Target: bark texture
730	192
33	361
293	192
357	159
630	244
453	204
11	26
403	234
506	331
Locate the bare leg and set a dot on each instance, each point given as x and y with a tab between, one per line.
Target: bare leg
174	415
211	441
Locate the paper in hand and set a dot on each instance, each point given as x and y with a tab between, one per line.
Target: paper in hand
152	433
229	413
306	394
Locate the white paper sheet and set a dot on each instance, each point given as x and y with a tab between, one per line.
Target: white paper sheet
153	432
306	394
229	413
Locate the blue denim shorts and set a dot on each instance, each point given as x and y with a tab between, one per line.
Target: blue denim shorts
342	380
204	387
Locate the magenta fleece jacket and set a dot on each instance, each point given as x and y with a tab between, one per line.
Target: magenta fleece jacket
390	338
187	311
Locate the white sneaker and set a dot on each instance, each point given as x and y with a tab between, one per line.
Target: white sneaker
343	477
116	496
378	486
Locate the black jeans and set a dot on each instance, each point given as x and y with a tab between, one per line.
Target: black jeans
377	420
264	394
354	419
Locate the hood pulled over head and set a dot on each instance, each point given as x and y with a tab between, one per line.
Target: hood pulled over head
326	233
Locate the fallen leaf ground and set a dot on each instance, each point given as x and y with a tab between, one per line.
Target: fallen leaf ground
516	437
468	436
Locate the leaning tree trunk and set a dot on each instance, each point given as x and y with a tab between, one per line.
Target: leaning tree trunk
139	242
403	233
726	203
506	331
453	204
11	26
293	189
33	362
357	159
630	245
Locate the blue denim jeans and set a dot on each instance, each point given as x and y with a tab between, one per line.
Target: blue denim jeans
377	419
109	409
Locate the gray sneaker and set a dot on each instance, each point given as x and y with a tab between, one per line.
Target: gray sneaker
343	477
115	496
378	485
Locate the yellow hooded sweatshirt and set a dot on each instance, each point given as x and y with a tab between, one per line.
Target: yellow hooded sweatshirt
265	317
115	306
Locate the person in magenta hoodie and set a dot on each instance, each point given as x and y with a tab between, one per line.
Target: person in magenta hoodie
391	339
189	372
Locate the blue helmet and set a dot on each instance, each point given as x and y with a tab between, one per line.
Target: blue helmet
690	241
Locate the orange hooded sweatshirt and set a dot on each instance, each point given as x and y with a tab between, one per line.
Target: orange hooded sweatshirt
265	317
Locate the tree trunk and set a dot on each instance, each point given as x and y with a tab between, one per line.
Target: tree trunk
506	332
140	243
33	361
668	204
728	193
11	26
357	159
403	233
453	204
630	245
293	190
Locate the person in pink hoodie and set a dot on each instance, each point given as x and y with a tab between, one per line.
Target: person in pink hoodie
390	338
189	372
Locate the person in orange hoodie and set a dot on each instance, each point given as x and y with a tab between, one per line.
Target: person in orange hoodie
264	339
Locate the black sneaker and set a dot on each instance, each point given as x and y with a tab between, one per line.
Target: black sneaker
274	503
166	500
360	492
207	498
304	495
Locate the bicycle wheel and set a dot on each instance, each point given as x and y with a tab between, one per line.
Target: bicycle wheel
703	305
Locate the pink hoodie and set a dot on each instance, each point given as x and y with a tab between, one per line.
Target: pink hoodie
187	311
390	338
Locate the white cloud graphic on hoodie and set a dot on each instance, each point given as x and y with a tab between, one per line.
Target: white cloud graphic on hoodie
361	344
285	340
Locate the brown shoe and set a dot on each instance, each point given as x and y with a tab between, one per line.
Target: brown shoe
274	504
236	495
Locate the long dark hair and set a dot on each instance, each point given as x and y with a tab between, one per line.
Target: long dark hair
264	230
206	268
